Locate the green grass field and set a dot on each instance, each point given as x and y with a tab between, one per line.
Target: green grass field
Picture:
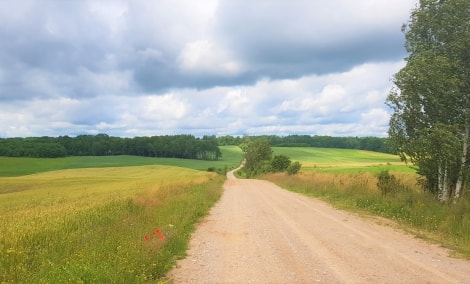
342	160
231	157
323	159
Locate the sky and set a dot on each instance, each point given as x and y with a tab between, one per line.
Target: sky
207	67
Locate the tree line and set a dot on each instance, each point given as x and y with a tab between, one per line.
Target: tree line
171	146
376	144
175	146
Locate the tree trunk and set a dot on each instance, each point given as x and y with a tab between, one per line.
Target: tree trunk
442	184
460	180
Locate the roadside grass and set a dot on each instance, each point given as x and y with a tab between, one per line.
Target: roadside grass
415	210
100	225
12	166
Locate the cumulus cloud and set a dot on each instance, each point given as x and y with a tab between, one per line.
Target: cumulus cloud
206	57
219	67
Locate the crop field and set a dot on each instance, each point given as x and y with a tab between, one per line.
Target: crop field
231	157
342	160
100	225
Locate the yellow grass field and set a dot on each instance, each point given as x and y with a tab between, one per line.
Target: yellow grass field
59	225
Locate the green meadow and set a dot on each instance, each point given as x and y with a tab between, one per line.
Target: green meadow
342	160
231	157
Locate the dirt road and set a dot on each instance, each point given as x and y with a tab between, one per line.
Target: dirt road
260	233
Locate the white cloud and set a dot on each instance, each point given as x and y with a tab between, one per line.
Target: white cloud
375	117
111	14
161	108
205	56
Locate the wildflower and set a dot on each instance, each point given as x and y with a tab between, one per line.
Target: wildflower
146	238
156	232
161	238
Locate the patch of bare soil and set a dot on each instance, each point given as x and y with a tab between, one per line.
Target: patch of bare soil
260	233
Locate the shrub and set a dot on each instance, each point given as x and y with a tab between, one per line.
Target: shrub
280	163
388	183
294	168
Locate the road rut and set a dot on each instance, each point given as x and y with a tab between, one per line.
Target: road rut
260	233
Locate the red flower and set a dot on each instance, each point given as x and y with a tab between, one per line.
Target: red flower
156	232
146	238
161	238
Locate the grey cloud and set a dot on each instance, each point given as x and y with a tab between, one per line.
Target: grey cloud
289	39
52	40
271	39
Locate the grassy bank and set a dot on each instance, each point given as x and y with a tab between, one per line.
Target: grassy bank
231	157
100	225
417	211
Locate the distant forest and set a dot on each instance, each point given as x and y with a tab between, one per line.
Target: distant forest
177	146
361	143
170	146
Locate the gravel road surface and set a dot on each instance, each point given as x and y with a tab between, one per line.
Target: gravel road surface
260	233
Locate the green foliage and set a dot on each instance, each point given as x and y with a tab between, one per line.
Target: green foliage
388	183
177	146
259	160
376	144
294	168
221	171
280	163
430	124
257	153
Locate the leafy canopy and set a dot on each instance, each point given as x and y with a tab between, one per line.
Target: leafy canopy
431	101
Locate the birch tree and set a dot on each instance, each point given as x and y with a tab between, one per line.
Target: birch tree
431	101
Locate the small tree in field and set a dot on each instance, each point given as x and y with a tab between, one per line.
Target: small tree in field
280	163
294	168
257	153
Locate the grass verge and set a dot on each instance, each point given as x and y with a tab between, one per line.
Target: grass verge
104	225
417	211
